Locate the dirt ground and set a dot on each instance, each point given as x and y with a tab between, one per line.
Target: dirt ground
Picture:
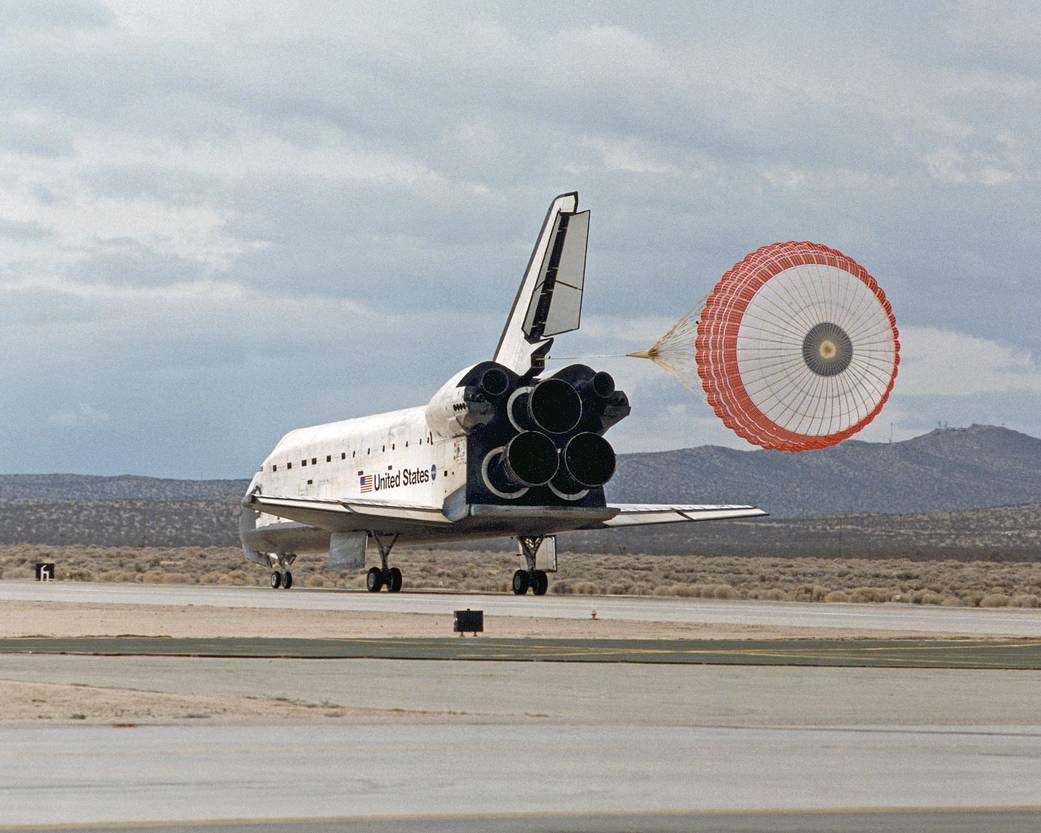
59	702
949	583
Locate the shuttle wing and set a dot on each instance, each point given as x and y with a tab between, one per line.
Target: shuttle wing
638	514
340	515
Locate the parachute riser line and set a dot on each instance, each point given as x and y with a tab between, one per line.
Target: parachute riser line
582	358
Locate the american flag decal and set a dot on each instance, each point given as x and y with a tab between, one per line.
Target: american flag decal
366	483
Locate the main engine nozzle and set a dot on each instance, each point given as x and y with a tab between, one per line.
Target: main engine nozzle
529	459
588	460
553	406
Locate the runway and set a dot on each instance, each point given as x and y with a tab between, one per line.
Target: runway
66	774
995	654
596	694
274	733
920	820
881	617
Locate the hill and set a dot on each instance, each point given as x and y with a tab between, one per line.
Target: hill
88	487
944	470
120	523
1003	533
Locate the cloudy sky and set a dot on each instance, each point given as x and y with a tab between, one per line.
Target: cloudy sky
222	221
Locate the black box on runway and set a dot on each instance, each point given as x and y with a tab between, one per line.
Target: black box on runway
44	571
469	621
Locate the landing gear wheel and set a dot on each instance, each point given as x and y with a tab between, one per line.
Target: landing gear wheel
287	580
539	582
374	580
394	580
276	580
520	582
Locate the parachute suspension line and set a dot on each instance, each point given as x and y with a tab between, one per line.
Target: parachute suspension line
674	351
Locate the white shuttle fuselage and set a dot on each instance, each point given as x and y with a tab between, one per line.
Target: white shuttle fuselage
390	456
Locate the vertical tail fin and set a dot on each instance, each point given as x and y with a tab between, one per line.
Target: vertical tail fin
549	301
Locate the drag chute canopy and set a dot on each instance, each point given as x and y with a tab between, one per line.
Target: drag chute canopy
796	347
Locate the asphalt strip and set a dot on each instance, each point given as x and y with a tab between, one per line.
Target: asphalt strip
921	820
977	654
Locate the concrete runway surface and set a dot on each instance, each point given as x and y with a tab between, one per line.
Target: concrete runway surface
517	746
607	694
899	617
931	820
65	774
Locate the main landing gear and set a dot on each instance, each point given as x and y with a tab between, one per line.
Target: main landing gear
383	576
280	575
537	580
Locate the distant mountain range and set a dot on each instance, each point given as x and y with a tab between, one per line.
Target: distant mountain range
944	471
60	487
1003	533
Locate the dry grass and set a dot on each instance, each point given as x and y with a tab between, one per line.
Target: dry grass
951	583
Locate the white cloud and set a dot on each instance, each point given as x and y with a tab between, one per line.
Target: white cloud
949	363
636	332
84	221
781	177
949	164
302	211
630	156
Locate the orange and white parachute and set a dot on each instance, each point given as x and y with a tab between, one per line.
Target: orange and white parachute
796	347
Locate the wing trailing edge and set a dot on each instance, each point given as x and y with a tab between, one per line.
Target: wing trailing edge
347	514
640	514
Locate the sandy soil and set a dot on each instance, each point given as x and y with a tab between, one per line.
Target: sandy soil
49	701
69	619
797	579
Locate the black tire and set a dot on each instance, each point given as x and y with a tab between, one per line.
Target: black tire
520	582
374	580
394	580
539	583
287	580
276	580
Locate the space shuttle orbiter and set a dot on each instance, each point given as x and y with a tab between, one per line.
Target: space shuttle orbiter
501	450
